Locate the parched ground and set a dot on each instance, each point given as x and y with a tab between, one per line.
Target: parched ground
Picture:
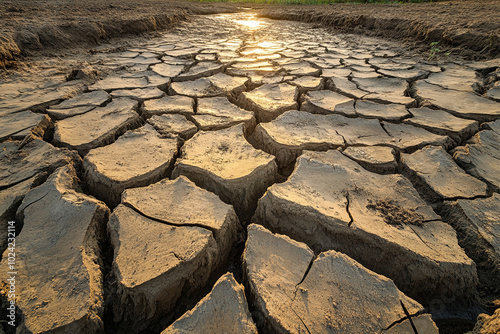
27	26
468	28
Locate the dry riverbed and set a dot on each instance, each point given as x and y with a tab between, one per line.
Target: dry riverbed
304	180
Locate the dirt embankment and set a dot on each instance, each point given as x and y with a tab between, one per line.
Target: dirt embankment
27	25
469	28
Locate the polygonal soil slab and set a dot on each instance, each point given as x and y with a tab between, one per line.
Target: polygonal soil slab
202	69
478	227
294	131
461	104
390	90
481	156
269	101
378	159
408	137
109	170
168	70
58	258
327	102
216	85
112	83
410	74
389	112
225	163
172	124
10	199
33	159
436	173
223	310
346	87
494	92
39	99
423	324
307	83
294	292
79	104
169	105
443	123
495	126
97	127
301	69
215	113
179	247
457	78
330	202
139	94
19	125
94	99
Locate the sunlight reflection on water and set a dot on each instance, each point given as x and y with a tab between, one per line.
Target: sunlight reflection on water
250	22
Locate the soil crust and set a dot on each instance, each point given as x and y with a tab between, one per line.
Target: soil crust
467	28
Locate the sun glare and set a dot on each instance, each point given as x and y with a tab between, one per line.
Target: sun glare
250	22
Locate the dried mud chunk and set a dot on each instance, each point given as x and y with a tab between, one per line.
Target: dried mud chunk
408	137
423	324
443	123
456	78
171	125
10	200
168	70
270	100
330	202
390	90
152	267
332	294
139	94
389	112
307	83
109	170
479	233
97	127
179	247
480	157
346	87
169	105
171	201
301	69
461	104
215	113
223	310
216	85
202	69
112	83
39	99
95	99
378	159
410	74
434	170
273	265
294	131
21	124
327	102
59	258
225	163
36	157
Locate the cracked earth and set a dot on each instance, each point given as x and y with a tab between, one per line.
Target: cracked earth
244	175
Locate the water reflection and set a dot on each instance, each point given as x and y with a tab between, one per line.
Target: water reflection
250	22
